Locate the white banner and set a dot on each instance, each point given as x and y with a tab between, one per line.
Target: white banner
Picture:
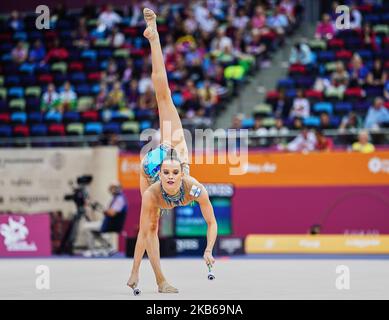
36	180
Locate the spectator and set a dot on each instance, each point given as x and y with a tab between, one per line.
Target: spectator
15	22
190	23
301	54
339	79
305	141
259	129
241	20
278	21
108	18
377	76
325	28
221	41
323	143
50	99
301	106
358	72
148	100
67	98
116	99
116	39
128	72
19	53
82	38
297	124
37	52
112	72
369	38
281	106
101	98
132	93
237	121
325	121
351	122
56	53
209	24
363	145
376	114
279	130
208	96
258	21
144	82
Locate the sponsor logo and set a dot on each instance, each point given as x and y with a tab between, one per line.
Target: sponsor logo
15	234
231	245
29	200
19	161
261	168
21	182
309	243
377	165
219	190
195	191
129	167
361	243
187	244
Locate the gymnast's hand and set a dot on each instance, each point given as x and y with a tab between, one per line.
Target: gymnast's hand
209	259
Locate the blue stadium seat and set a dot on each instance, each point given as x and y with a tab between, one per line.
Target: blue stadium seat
71	116
323	107
146	124
93	128
325	56
112	127
291	93
20	36
35	117
27	67
83	89
286	83
33	104
335	121
248	123
53	116
343	107
89	54
77	77
5	131
16	92
19	117
178	99
11	81
312	121
38	130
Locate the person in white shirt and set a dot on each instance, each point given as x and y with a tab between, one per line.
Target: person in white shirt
301	106
144	82
221	42
109	18
304	142
49	98
68	98
241	20
116	38
356	18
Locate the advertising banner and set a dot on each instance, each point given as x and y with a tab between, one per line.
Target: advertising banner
25	235
331	244
284	170
37	180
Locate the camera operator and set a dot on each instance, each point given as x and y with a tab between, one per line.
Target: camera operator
114	219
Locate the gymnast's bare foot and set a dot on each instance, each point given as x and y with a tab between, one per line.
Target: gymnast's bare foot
164	287
133	281
151	20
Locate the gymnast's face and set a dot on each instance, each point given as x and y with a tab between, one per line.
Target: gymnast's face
171	176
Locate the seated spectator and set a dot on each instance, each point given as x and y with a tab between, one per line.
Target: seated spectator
255	45
19	53
322	84
128	72
108	18
363	145
67	98
258	21
279	130
377	76
237	121
325	121
323	143
15	21
209	24
300	107
358	72
301	54
369	38
111	72
50	99
339	79
101	98
132	93
37	52
297	124
116	99
56	53
208	96
351	122
376	114
221	41
325	28
144	82
289	6
305	141
116	38
148	100
259	129
241	20
190	23
82	38
278	21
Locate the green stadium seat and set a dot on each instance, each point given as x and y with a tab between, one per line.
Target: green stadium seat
121	53
59	67
3	93
130	127
263	109
318	44
33	91
75	129
19	104
85	103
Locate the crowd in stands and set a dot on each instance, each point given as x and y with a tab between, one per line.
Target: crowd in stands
338	80
90	72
